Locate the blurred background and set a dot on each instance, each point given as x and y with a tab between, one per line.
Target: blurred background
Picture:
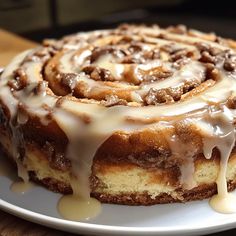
38	19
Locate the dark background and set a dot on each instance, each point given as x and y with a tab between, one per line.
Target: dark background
39	19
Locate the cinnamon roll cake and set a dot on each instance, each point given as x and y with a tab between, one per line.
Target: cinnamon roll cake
132	115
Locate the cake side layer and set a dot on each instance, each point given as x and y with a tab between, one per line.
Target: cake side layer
145	186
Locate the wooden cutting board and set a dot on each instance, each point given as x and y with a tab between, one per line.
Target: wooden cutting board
10	45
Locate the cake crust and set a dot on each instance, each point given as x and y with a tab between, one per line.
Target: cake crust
57	180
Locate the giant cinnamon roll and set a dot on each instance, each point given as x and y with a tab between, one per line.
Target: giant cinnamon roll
133	115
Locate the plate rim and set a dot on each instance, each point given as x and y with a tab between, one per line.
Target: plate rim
71	226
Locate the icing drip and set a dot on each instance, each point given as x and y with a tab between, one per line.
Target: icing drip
79	151
21	187
224	203
85	140
12	105
218	132
184	152
34	104
73	208
224	139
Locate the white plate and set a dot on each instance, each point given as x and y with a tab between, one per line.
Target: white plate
193	218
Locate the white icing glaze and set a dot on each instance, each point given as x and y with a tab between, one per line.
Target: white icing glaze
219	132
189	72
11	103
5	95
183	151
66	62
21	187
107	62
73	208
224	204
184	39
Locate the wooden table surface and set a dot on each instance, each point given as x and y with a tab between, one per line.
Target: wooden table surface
10	45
